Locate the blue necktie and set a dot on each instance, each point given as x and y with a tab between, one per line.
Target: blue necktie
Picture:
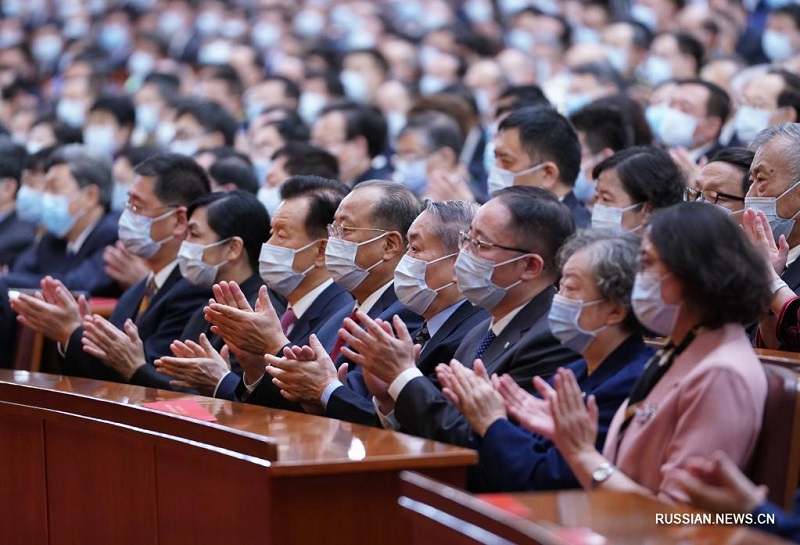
484	344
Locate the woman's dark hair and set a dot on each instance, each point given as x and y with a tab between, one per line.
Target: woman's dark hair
647	174
725	278
236	214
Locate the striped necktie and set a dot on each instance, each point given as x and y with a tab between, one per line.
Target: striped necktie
150	291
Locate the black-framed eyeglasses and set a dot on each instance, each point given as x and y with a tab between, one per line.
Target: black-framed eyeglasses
690	194
142	211
479	244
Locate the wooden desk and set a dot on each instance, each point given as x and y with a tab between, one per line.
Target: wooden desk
256	475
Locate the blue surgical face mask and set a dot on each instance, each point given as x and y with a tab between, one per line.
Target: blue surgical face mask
564	318
340	260
411	286
576	101
119	196
29	204
656	70
134	232
192	266
56	216
750	121
412	174
769	206
649	306
474	276
776	45
677	129
500	178
655	116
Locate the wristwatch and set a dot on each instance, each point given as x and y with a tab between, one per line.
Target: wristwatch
601	473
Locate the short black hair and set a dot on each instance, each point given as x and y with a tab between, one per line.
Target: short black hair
723	283
376	56
718	104
647	174
437	130
603	72
539	221
290	87
396	210
522	96
137	154
86	169
633	115
546	135
230	77
332	82
363	120
791	10
225	152
212	117
603	128
324	196
292	128
168	85
233	170
179	180
740	158
12	160
306	160
689	45
121	107
236	214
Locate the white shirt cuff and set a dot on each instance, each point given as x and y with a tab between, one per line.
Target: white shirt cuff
218	383
402	379
328	392
388	421
250	387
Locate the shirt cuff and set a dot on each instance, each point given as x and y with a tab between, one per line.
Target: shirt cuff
328	392
220	382
388	421
249	387
402	379
62	348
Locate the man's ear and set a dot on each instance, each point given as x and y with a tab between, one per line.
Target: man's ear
550	176
393	245
181	222
319	259
534	265
235	248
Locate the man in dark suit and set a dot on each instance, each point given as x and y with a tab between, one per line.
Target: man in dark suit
507	266
536	146
149	315
367	241
16	235
292	263
424	283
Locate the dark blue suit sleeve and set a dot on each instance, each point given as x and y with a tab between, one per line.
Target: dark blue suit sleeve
787	525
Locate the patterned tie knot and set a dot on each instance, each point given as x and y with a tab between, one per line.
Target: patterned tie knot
423	335
288	319
487	339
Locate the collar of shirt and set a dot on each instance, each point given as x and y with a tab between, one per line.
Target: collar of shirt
161	276
75	246
794	253
370	301
436	323
498	326
308	299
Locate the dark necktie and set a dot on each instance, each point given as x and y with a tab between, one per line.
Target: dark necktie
337	347
423	335
150	291
288	319
484	344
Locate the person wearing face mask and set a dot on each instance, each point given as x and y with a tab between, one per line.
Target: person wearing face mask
109	125
672	55
224	237
631	184
506	267
364	71
537	146
16	234
591	315
424	284
724	180
291	263
770	99
705	390
201	125
365	245
781	37
150	315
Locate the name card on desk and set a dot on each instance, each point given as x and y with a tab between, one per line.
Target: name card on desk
183	407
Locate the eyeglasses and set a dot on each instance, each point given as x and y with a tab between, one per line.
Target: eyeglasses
691	194
479	244
142	211
337	230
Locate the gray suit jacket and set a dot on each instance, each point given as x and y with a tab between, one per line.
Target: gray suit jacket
523	350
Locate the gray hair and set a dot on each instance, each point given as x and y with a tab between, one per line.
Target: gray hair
614	260
791	133
396	209
451	217
87	169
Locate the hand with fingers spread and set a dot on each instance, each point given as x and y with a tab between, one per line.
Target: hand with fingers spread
124	267
473	394
54	312
718	485
377	348
303	373
195	366
122	350
253	330
575	421
756	227
531	412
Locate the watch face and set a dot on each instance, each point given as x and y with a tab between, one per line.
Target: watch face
602	472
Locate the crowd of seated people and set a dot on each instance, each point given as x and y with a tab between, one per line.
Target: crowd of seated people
465	221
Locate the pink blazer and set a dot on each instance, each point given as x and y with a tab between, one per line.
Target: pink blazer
712	398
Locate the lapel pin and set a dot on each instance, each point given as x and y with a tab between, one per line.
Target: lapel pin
506	345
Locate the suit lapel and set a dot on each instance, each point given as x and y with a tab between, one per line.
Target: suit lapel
386	300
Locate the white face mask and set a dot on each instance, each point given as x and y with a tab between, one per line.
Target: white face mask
134	232
750	121
276	267
340	260
563	318
609	217
769	206
649	306
410	285
474	276
192	266
99	140
500	178
677	129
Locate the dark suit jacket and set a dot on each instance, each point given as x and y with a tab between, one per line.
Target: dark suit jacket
523	350
582	217
787	525
383	173
84	271
512	458
15	237
162	322
330	302
354	402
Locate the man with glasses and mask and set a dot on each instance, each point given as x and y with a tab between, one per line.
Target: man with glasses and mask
150	314
724	180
